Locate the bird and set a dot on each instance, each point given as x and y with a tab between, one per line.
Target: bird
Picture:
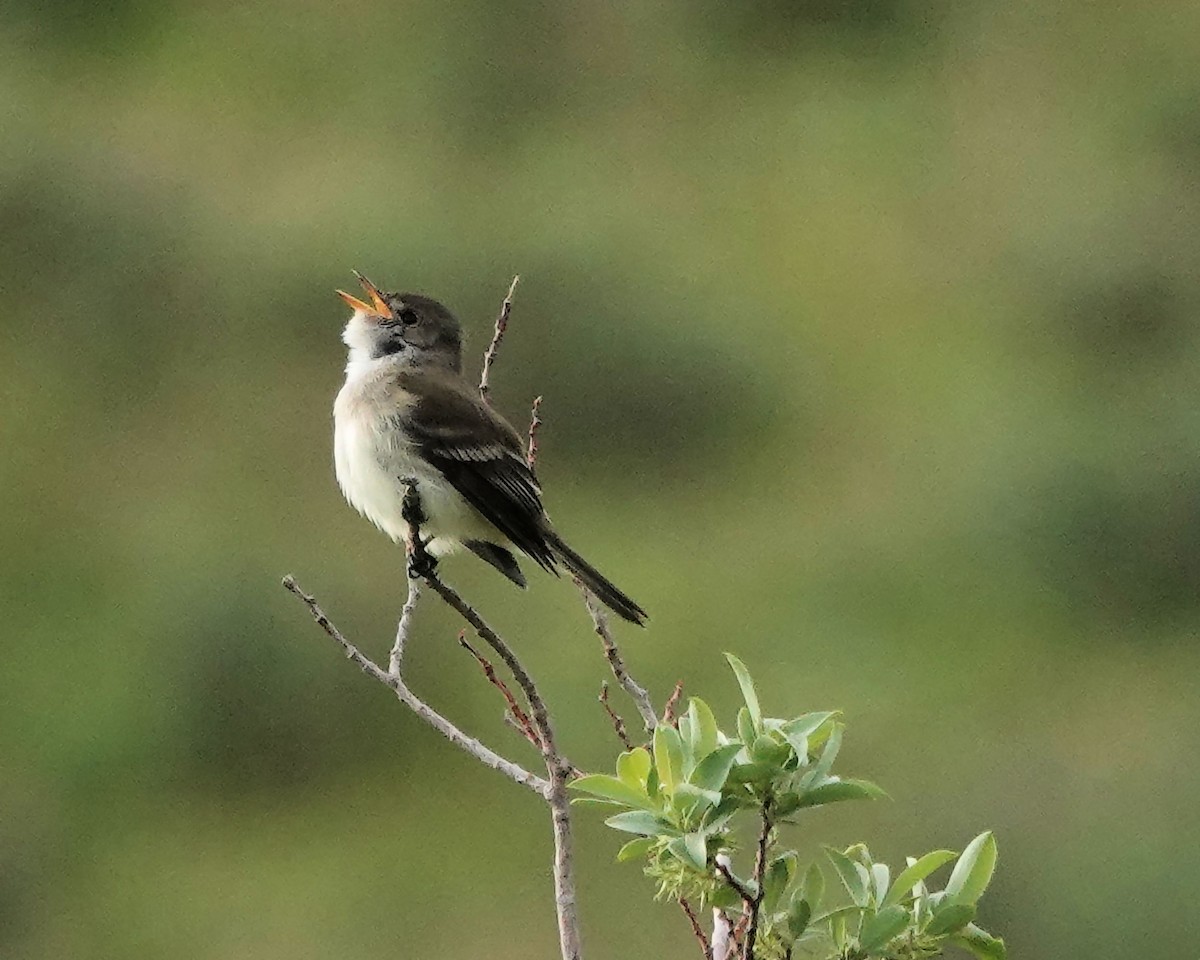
406	420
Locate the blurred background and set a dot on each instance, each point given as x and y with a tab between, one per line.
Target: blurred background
868	333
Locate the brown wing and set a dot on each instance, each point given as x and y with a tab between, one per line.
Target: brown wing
482	457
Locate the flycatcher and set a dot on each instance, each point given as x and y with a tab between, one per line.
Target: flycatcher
407	413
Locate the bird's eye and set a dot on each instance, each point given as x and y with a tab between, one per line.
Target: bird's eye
406	315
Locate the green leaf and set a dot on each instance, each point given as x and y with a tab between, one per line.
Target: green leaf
813	885
879	930
687	799
829	754
974	870
950	917
835	790
697	848
610	788
980	943
745	725
779	874
853	875
643	822
712	771
668	756
880	875
798	915
635	849
786	804
634	767
797	731
704	728
748	692
915	873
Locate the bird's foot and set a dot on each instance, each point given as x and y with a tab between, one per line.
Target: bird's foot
411	511
421	563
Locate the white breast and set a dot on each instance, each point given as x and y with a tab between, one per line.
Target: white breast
371	457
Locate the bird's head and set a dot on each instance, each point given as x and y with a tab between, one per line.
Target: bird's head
401	323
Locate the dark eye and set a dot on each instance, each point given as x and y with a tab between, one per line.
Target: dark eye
406	315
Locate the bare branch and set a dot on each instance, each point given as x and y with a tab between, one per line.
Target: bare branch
760	869
443	726
396	660
519	717
535	422
617	722
705	948
637	693
727	875
672	703
494	347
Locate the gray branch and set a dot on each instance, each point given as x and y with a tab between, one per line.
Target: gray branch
443	726
612	653
396	660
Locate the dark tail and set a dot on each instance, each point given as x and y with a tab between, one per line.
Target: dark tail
595	581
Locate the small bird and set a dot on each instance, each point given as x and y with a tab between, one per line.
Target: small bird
406	413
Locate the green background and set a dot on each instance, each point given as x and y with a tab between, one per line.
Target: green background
868	335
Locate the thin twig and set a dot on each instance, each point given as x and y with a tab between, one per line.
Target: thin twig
637	693
535	422
617	722
519	716
668	716
494	347
443	726
722	938
727	875
760	869
404	627
705	947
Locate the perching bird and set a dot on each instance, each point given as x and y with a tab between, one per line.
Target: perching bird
407	413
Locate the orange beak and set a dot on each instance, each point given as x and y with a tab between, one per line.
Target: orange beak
378	306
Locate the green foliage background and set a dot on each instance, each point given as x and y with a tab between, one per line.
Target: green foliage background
868	335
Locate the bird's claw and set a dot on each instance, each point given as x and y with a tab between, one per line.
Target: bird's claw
421	563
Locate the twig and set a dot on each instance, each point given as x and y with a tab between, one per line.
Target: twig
668	716
443	726
705	947
535	422
617	722
396	660
520	717
760	869
494	347
722	938
727	875
637	693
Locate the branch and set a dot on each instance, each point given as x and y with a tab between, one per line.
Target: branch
617	722
668	716
705	948
760	869
534	423
396	660
637	693
722	937
494	347
519	717
443	726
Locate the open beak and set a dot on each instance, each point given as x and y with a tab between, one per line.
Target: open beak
378	306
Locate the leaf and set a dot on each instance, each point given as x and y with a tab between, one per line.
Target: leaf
880	875
798	915
786	804
797	731
829	754
634	767
879	930
980	943
950	917
748	692
813	885
610	788
779	874
668	756
635	849
643	822
697	848
712	771
704	728
915	873
852	875
687	799
745	724
973	870
835	790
